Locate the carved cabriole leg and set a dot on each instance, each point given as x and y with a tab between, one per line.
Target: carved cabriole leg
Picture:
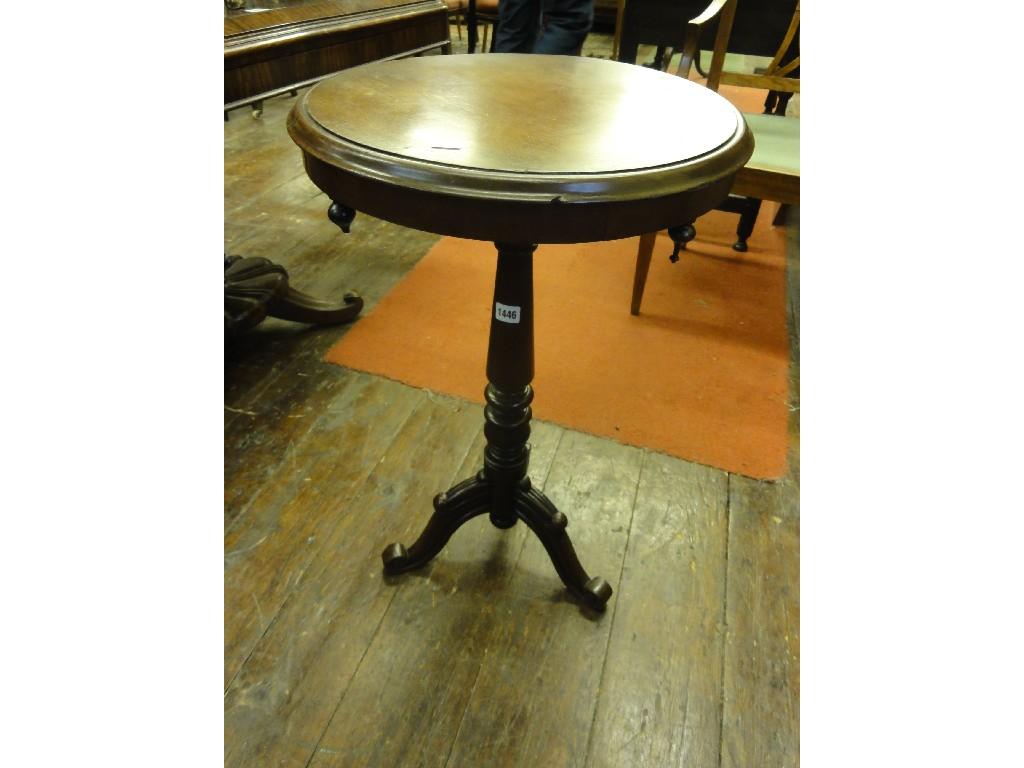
255	288
544	519
451	509
503	487
303	308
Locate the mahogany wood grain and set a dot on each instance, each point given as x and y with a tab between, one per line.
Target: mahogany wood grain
294	43
279	18
401	140
518	148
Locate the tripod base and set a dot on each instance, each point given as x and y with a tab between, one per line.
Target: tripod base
473	497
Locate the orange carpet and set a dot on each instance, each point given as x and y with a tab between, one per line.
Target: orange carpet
700	374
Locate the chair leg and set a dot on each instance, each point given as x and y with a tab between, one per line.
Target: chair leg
696	65
659	58
780	215
746	225
775	102
629	48
643	264
780	108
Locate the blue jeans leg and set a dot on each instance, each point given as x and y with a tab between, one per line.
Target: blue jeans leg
566	24
518	21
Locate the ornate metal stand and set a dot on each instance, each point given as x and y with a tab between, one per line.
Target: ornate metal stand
502	487
255	288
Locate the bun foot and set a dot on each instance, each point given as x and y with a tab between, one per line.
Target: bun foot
341	215
740	245
598	591
681	235
395	557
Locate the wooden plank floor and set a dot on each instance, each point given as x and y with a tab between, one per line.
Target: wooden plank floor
479	659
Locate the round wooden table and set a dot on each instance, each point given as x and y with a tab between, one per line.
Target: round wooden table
519	150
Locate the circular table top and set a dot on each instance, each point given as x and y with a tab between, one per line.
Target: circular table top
516	129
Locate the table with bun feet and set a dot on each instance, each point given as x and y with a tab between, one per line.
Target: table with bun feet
518	150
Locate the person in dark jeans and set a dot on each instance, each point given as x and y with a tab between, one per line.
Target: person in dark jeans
543	26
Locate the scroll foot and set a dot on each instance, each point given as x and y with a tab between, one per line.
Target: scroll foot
544	519
395	556
451	509
303	308
600	589
255	287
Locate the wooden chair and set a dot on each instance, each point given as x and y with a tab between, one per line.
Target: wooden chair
773	171
456	13
668	24
486	14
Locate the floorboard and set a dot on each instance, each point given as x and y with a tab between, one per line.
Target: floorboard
282	699
661	692
298	504
761	705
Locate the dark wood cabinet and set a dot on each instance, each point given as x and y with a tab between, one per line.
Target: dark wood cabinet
272	46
